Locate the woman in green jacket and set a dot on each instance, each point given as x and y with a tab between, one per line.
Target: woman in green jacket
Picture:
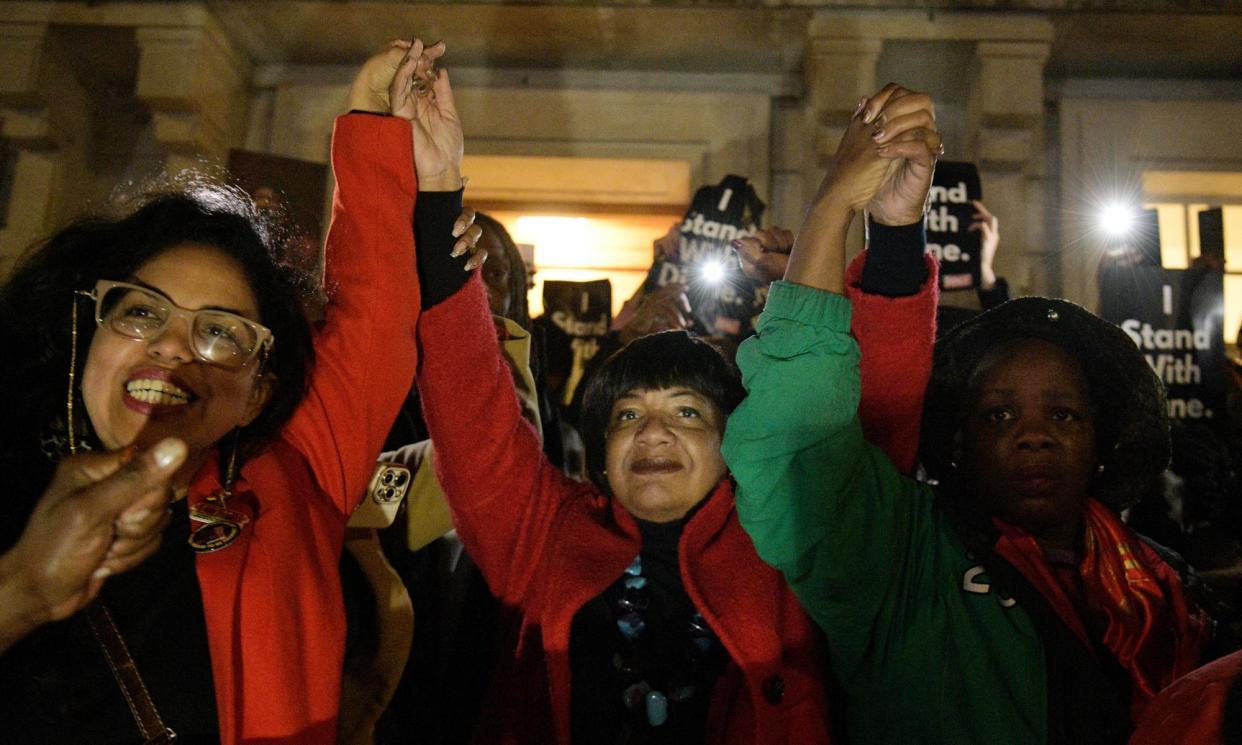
1008	604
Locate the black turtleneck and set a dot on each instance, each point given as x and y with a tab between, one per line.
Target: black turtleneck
664	654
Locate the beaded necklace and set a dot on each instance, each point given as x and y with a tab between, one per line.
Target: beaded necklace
658	671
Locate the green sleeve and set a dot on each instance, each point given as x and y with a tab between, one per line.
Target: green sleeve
823	506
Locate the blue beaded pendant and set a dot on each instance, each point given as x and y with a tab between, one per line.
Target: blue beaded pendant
631	625
657	709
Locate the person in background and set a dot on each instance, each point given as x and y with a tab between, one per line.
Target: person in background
1006	603
992	290
174	324
636	609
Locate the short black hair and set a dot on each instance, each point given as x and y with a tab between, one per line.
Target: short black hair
669	359
36	301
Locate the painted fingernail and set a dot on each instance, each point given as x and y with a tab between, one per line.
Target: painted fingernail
101	573
135	517
735	243
878	135
458	229
128	454
169	451
869	117
459	248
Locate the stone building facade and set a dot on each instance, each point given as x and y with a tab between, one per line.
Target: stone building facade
1056	100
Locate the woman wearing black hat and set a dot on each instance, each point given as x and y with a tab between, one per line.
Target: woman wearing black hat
1009	603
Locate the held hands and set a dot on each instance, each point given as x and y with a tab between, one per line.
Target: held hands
884	163
886	157
903	125
403	81
102	514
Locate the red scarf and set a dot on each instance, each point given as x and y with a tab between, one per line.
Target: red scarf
1150	626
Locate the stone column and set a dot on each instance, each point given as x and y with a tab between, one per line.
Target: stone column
44	126
196	84
839	71
1006	120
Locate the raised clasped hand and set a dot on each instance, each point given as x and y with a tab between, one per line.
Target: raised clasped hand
886	157
902	124
403	80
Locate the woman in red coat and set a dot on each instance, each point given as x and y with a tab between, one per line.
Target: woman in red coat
181	334
634	607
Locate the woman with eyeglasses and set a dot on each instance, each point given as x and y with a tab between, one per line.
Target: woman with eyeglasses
634	609
172	345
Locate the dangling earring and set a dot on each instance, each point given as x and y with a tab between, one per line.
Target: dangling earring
56	444
71	433
220	526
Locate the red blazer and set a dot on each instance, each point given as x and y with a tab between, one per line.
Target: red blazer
1191	711
275	619
547	545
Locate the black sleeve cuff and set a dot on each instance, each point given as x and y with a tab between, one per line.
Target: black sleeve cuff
995	296
439	274
894	265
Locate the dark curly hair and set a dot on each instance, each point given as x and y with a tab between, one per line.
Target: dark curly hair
664	360
1131	421
36	301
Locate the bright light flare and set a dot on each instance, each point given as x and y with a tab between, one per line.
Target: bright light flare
712	271
1117	220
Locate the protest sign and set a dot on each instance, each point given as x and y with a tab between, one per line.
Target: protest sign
576	315
949	237
722	299
1175	316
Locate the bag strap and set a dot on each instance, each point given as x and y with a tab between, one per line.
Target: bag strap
146	716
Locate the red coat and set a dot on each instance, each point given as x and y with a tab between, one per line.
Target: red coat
1191	711
548	545
275	619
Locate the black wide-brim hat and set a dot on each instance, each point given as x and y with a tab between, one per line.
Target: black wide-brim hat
1131	423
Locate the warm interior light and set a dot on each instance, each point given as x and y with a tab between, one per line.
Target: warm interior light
613	246
559	241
